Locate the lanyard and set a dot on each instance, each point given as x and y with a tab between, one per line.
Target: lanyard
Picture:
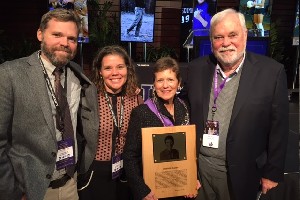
187	116
49	85
166	121
48	82
118	125
218	89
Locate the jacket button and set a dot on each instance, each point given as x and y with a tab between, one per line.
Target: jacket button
48	176
53	154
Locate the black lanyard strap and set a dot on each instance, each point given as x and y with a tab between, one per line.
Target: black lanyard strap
114	116
49	85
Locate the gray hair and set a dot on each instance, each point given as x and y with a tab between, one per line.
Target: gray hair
220	15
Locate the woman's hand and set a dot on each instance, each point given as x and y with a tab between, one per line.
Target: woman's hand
198	185
150	196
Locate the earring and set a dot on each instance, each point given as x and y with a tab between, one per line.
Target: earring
153	92
154	95
178	90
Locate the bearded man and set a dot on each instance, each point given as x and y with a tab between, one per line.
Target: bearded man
48	116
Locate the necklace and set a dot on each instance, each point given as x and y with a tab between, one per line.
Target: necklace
170	108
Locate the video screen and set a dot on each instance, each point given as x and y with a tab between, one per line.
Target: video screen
137	20
258	16
187	12
195	21
80	7
186	35
203	12
296	27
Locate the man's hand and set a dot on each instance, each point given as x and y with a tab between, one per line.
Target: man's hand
267	185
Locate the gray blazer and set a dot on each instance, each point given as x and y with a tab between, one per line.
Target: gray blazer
28	144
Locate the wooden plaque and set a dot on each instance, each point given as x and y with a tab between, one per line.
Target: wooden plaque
170	173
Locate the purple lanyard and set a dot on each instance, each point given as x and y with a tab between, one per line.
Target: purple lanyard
218	89
166	121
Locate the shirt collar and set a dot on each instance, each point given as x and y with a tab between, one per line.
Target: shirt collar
220	71
48	66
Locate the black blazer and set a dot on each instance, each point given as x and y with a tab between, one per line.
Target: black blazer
258	130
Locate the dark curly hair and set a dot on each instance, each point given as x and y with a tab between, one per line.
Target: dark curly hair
131	85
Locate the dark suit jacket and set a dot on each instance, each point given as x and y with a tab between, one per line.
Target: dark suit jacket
169	155
258	130
28	144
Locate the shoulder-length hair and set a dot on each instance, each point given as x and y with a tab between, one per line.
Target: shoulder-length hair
130	87
165	63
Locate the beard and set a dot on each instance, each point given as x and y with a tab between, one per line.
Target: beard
229	59
58	61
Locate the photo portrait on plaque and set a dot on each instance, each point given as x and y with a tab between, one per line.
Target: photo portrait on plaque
169	160
169	147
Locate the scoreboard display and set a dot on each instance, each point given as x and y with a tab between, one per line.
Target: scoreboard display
187	16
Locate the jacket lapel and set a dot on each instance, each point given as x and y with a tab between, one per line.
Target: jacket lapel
78	73
39	88
207	81
88	95
249	72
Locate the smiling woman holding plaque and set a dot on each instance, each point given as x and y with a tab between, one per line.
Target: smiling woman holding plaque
164	109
